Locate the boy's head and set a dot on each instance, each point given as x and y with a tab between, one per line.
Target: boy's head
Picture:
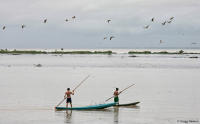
68	89
117	89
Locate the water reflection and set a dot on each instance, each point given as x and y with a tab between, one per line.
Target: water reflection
68	116
116	115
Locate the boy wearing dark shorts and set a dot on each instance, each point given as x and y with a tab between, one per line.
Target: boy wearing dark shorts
116	98
68	95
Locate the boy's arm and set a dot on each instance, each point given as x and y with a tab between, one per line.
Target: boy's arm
72	92
65	95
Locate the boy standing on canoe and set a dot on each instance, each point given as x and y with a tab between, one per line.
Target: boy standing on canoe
116	93
69	99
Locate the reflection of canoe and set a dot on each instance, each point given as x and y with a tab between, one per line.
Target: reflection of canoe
129	104
99	106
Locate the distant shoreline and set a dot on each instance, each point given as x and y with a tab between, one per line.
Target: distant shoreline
18	52
105	52
162	52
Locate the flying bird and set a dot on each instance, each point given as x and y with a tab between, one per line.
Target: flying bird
66	20
172	18
45	21
169	21
23	26
73	17
146	27
112	37
164	23
105	38
152	19
4	27
108	20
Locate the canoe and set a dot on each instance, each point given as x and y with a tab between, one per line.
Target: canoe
99	106
128	104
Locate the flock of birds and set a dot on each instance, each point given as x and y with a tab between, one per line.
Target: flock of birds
108	21
163	23
111	37
145	27
44	21
73	17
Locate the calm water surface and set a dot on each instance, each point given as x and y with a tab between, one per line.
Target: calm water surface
166	85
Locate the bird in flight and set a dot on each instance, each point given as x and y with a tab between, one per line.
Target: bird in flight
66	20
153	19
45	21
23	26
172	18
146	27
105	38
4	27
108	20
164	23
73	17
112	37
169	21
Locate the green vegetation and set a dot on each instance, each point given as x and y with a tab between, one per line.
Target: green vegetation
17	52
81	52
181	52
137	52
162	52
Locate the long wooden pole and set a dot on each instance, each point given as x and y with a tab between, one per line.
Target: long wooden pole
74	89
121	91
81	82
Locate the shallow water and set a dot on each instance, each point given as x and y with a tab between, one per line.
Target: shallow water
166	85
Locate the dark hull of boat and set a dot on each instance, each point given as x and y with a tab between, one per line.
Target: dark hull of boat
128	104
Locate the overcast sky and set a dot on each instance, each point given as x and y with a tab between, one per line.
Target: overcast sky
128	18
